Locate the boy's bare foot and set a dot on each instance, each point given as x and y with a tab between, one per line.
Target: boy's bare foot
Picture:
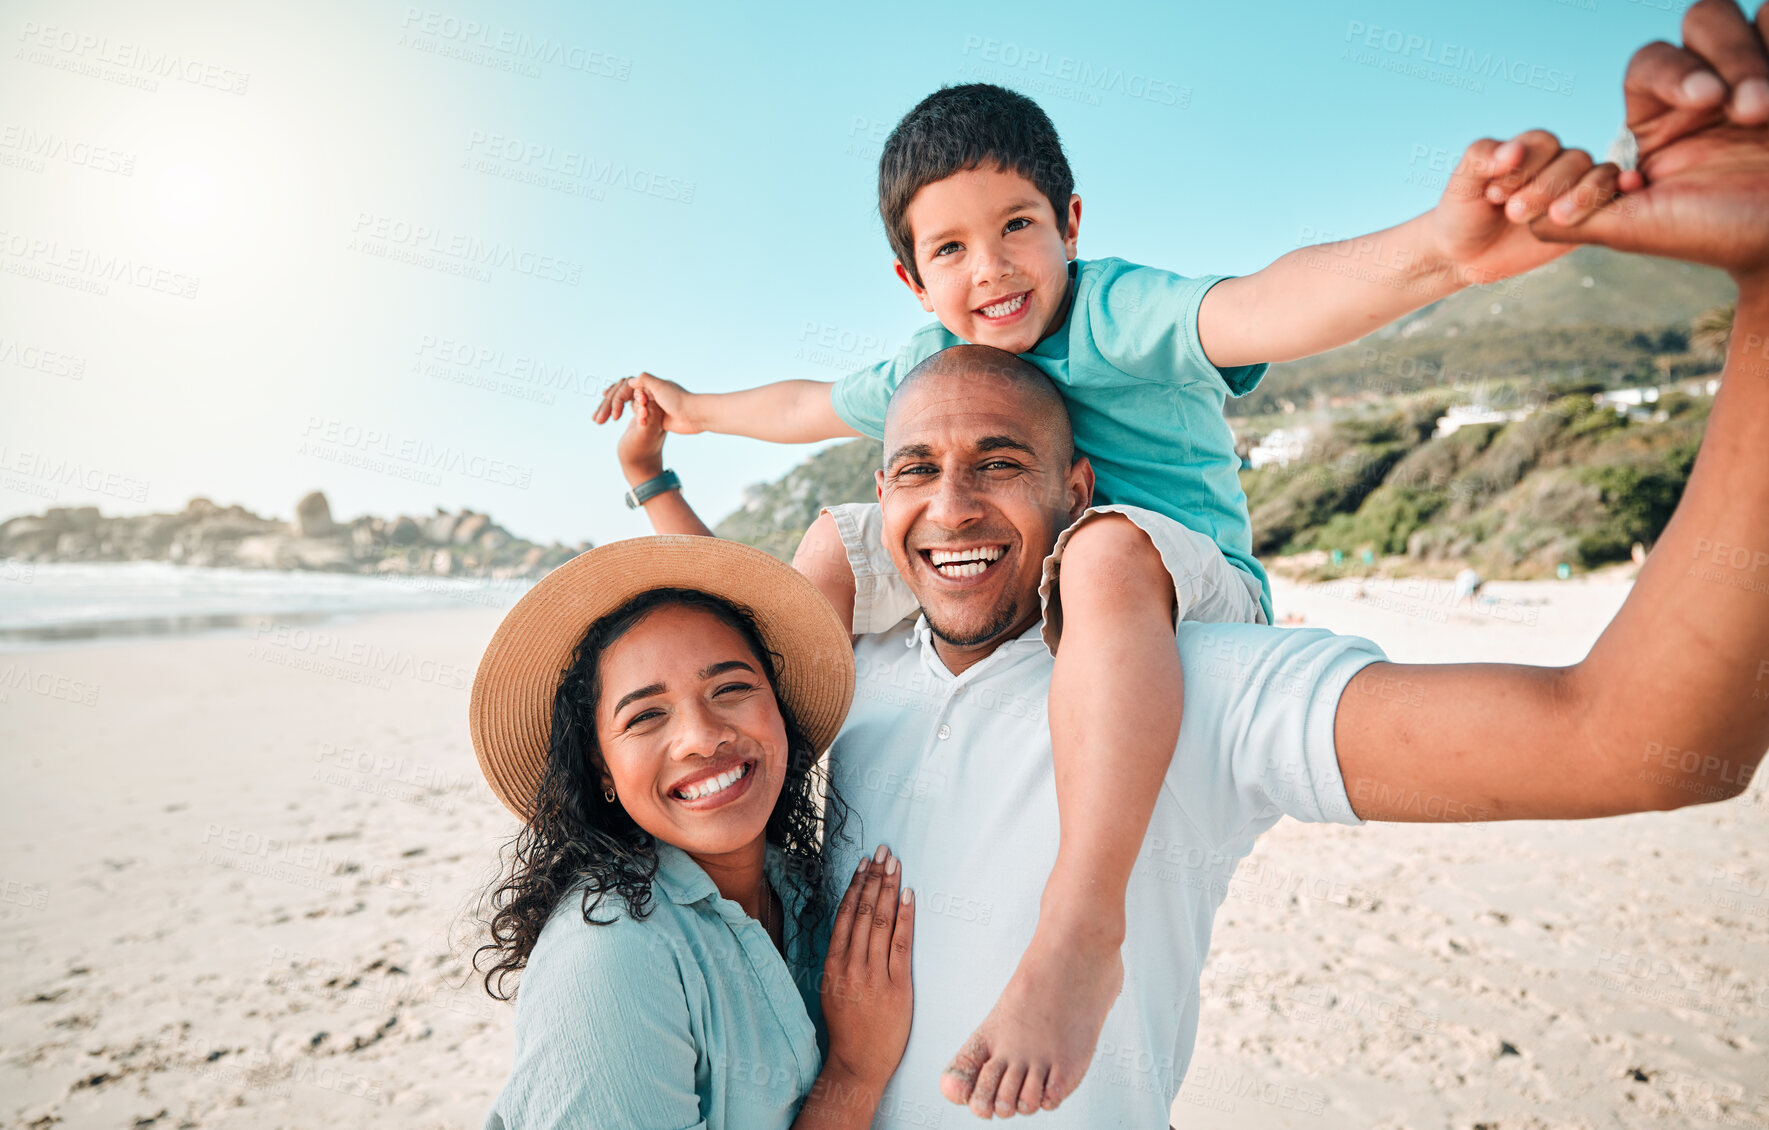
1032	1049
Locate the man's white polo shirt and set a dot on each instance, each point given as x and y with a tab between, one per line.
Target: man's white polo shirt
955	774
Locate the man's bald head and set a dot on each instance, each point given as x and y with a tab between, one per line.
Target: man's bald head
980	470
966	367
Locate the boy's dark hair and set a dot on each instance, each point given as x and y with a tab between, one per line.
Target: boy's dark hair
961	127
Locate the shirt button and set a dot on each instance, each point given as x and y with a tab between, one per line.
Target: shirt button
945	732
959	689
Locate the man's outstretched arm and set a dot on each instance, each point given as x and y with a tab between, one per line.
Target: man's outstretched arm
1671	706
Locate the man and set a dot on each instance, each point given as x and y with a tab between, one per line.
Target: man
946	753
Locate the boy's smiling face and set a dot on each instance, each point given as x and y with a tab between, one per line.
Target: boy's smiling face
994	269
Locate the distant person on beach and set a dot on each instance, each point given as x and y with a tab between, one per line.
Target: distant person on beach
978	203
654	710
946	752
1468	584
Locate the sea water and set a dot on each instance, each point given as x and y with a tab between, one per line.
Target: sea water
48	604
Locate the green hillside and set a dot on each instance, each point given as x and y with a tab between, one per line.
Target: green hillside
1574	483
774	516
1547	329
1633	291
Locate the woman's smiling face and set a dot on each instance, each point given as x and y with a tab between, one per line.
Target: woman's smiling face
690	733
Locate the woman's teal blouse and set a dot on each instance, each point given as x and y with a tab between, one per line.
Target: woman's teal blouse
687	1019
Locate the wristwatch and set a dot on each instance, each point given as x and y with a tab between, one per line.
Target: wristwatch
651	488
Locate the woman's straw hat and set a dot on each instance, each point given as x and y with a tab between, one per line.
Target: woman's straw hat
511	712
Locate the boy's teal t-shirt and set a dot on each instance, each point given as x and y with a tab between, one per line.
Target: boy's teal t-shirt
1145	401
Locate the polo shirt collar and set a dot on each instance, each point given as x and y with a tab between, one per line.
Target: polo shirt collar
1030	639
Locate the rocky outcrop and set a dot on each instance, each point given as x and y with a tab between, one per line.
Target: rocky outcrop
461	545
313	517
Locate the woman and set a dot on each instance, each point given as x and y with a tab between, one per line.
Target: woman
667	890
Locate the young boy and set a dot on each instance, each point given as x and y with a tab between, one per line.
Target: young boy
978	204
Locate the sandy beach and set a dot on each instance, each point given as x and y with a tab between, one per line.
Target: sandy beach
237	870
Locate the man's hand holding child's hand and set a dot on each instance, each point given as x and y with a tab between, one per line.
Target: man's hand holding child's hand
1482	224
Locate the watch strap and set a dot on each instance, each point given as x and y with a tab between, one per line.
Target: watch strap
651	488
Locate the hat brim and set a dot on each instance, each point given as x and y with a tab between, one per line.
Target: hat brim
510	714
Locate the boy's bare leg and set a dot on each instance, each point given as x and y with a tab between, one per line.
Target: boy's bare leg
1115	700
822	558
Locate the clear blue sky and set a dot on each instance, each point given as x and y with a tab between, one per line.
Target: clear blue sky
709	214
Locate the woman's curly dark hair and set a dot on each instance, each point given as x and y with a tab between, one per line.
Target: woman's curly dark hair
575	836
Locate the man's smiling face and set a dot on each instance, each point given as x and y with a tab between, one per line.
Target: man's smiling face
994	268
978	481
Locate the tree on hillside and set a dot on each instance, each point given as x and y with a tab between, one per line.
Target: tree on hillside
1710	332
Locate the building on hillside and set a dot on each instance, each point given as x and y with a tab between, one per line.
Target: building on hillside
1283	446
1460	416
1622	399
1637	404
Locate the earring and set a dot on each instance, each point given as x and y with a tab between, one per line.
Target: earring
608	795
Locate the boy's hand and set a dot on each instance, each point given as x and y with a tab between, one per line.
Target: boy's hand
1482	223
665	398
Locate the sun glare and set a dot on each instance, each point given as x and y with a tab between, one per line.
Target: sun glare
187	195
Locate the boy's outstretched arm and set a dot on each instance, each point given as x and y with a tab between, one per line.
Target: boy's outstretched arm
1328	294
782	412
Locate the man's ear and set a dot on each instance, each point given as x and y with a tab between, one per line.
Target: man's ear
919	290
1074	233
878	483
1080	484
